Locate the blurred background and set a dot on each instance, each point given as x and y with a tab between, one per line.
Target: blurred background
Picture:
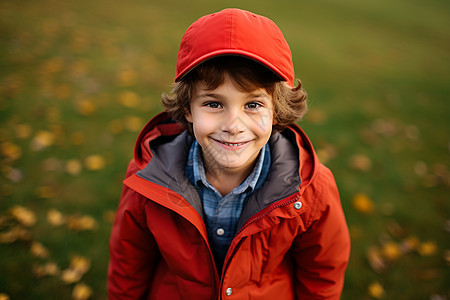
78	80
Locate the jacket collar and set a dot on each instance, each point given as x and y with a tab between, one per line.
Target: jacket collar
161	153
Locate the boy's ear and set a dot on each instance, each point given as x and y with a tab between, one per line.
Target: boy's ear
187	115
274	119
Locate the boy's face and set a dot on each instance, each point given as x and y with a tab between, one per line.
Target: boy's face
231	126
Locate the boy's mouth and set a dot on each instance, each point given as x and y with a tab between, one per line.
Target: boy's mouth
229	144
233	144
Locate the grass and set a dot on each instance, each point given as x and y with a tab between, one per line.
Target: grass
377	76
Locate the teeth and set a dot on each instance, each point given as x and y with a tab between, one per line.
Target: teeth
233	145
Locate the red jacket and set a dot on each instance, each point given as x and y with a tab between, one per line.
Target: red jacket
292	240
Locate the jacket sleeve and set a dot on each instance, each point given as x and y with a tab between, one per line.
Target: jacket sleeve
322	252
133	250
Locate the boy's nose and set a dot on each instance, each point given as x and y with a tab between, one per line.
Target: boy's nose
233	123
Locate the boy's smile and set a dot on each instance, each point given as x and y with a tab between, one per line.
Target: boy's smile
230	125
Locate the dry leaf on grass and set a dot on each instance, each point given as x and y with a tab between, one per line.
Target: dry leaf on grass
38	250
4	296
79	265
86	107
55	217
81	292
81	223
48	269
376	260
16	233
363	204
129	99
391	251
70	276
10	151
42	140
133	123
427	248
24	215
94	162
376	290
361	162
73	167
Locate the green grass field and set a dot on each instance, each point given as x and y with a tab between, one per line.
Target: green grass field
79	79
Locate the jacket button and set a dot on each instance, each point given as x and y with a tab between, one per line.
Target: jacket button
229	291
298	205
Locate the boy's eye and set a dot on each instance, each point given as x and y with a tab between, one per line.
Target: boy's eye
253	105
213	104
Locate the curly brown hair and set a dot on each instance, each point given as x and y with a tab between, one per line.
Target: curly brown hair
289	103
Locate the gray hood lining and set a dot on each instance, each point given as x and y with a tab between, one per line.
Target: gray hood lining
167	169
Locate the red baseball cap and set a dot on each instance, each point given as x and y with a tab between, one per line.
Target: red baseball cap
234	31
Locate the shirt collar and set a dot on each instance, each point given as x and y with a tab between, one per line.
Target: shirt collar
195	170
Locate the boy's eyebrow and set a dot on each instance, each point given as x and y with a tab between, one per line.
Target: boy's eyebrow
220	96
210	95
259	95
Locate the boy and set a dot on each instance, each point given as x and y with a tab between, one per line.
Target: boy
225	197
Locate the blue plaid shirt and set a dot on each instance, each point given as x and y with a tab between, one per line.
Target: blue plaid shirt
222	213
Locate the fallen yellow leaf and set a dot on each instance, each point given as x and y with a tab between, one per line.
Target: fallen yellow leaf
81	223
14	175
409	244
94	162
48	269
127	77
86	107
55	217
129	99
361	162
376	290
25	216
41	140
73	167
363	204
427	248
23	131
4	296
391	251
81	292
14	234
70	276
133	123
38	250
11	151
7	237
51	269
79	265
376	261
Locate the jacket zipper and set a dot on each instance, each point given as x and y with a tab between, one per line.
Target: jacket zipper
267	211
255	218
